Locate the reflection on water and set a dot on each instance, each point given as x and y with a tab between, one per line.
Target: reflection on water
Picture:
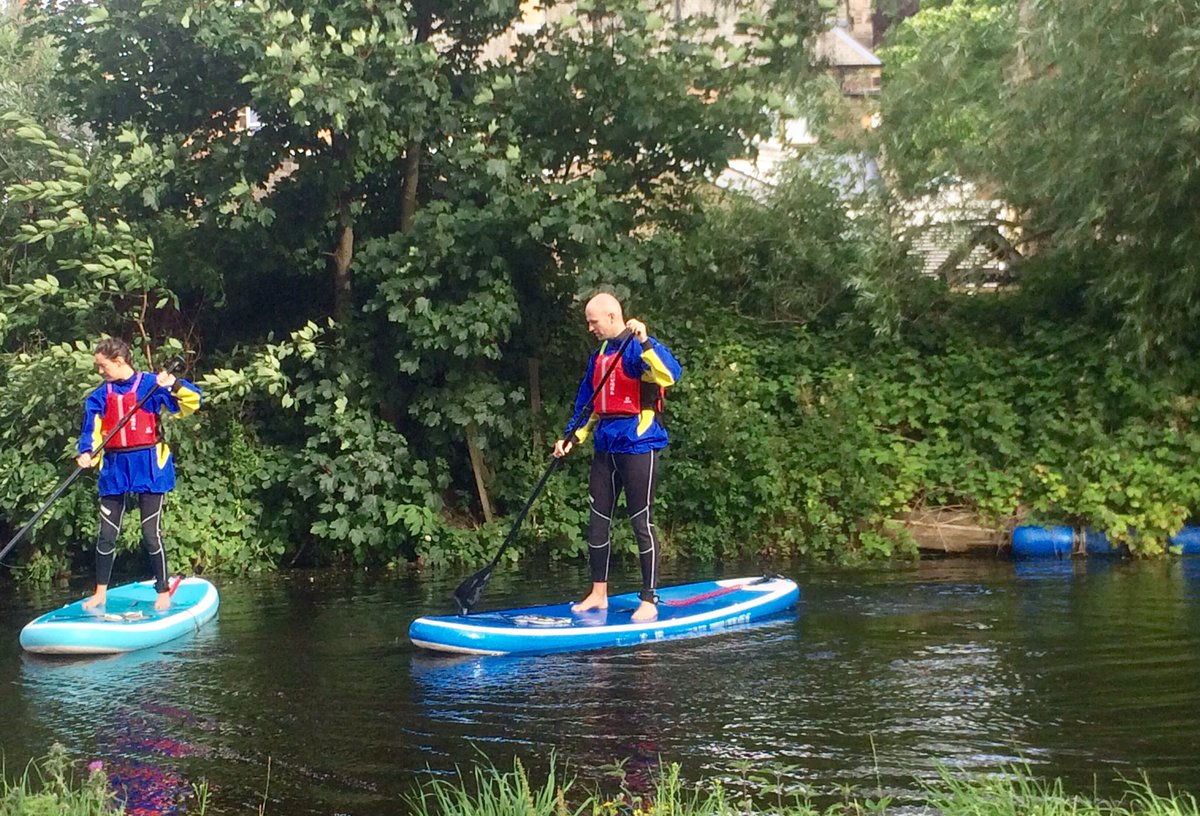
81	682
113	701
1085	670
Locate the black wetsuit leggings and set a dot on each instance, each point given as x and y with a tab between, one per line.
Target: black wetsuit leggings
637	474
112	510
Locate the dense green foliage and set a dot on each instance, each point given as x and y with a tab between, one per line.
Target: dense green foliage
1083	118
936	137
372	227
801	442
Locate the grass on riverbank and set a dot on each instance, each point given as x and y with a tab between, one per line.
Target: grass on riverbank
53	787
1015	793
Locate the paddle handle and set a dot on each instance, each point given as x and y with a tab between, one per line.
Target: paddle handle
175	365
581	417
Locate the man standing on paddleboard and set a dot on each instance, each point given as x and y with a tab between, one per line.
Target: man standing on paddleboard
628	437
135	460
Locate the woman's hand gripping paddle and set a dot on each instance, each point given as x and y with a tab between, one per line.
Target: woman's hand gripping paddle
176	364
469	591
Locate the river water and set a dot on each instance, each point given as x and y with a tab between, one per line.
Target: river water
306	696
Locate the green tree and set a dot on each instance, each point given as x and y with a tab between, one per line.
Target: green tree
1099	150
1083	118
442	198
937	131
25	71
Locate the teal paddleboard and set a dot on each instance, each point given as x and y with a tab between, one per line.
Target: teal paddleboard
126	622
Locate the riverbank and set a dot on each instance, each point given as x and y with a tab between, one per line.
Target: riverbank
61	785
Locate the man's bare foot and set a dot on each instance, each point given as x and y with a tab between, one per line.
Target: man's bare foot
162	602
97	599
594	600
646	611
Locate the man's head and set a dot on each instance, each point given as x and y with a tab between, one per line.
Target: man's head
112	359
604	318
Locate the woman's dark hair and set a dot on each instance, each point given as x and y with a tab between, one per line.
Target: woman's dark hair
113	348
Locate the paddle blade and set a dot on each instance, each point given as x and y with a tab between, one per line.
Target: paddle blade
470	590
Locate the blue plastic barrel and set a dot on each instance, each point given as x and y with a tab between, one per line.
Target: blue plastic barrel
1097	543
1186	541
1042	542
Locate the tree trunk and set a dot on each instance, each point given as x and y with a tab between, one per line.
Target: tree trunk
422	31
342	256
1020	71
480	471
412	177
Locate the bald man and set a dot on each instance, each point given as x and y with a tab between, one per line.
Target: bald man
628	438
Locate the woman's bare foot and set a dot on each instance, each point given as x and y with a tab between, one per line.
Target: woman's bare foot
97	598
646	611
162	602
596	599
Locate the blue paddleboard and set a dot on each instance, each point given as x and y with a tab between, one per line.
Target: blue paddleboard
126	622
683	610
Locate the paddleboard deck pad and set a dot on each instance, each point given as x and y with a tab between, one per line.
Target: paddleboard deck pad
126	622
684	610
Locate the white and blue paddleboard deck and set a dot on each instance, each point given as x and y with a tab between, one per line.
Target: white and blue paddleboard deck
126	622
684	610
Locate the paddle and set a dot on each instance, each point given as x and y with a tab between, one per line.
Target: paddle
176	364
717	593
468	592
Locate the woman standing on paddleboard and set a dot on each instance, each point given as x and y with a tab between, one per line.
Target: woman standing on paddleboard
628	438
135	460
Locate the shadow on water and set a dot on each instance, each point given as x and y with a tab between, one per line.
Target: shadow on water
1082	669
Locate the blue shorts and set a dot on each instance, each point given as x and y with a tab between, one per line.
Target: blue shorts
150	470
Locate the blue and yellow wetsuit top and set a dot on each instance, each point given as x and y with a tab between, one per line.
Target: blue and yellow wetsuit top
136	459
625	416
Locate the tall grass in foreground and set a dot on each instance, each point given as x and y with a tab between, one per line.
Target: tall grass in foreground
50	786
55	786
498	793
1020	794
493	792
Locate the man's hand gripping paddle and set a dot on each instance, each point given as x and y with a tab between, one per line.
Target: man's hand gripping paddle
469	591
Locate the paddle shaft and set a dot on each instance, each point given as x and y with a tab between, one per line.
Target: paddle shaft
715	593
175	365
555	460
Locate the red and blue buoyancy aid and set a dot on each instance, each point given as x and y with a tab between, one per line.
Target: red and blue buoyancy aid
622	395
141	431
